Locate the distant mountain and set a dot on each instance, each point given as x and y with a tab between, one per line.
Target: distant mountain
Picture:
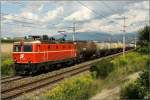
102	36
97	36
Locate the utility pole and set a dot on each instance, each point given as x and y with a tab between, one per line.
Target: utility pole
74	28
124	30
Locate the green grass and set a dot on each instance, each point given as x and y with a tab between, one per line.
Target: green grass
132	90
75	88
137	89
6	65
102	69
5	56
85	86
122	66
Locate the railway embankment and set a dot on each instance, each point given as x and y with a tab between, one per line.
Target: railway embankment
105	74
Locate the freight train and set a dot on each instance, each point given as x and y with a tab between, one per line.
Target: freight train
32	56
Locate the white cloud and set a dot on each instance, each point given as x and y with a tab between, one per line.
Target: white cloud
34	6
41	8
80	15
29	15
51	15
35	13
135	13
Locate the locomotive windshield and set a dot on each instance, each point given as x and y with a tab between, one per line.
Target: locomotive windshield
27	48
24	48
17	48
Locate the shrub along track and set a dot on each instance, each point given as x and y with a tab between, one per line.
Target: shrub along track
23	85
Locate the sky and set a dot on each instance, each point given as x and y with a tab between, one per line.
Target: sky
20	18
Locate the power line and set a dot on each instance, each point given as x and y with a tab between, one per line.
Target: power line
14	20
17	3
96	12
28	23
18	16
28	20
115	11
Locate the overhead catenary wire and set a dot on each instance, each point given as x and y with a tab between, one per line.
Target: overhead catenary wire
25	23
17	16
101	15
106	5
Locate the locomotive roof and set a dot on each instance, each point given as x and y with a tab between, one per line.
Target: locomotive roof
45	42
28	42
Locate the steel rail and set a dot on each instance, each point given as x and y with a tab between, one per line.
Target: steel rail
49	80
12	93
10	79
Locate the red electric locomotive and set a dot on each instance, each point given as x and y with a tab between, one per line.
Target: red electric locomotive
36	55
29	57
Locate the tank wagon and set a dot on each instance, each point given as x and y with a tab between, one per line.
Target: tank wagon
35	55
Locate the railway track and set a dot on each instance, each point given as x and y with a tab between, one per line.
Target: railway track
9	79
36	82
13	92
6	77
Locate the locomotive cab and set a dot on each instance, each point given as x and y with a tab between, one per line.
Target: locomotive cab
37	56
23	56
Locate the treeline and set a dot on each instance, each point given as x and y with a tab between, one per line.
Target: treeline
8	40
144	36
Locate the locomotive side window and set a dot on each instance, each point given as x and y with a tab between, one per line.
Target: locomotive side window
27	48
17	48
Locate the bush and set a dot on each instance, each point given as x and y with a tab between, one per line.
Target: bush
144	34
143	80
143	50
102	68
132	90
120	61
138	89
78	88
7	67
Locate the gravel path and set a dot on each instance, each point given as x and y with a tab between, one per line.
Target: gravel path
113	94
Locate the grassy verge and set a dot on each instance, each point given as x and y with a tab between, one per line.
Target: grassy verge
104	74
136	89
6	65
122	66
74	88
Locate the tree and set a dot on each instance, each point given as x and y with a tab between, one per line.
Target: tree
144	34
